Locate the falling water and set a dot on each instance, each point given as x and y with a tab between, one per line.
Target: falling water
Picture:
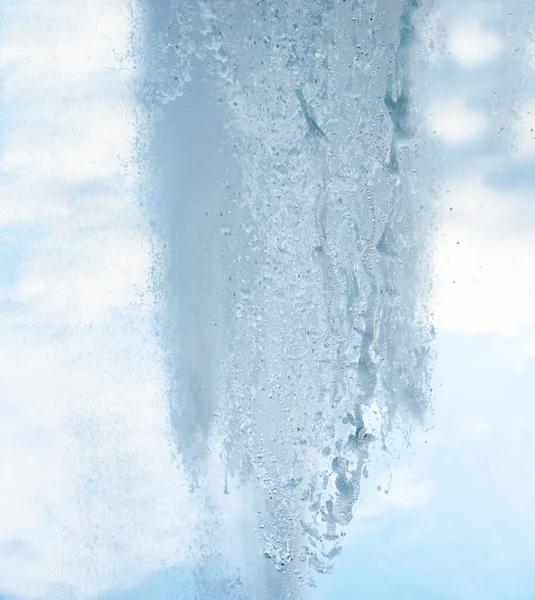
297	206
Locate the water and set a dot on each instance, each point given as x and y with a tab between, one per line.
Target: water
215	300
296	190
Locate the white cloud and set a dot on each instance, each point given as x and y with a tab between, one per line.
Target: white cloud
471	45
92	496
89	482
74	46
84	139
484	245
454	123
82	274
484	279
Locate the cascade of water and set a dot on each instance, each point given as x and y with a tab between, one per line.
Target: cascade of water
266	164
310	319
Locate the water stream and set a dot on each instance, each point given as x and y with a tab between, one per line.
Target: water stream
297	191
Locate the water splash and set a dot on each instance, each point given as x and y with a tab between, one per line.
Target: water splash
322	315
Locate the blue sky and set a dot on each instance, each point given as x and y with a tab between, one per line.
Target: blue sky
472	535
12	255
472	538
457	523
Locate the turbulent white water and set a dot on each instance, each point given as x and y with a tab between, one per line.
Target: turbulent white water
298	279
